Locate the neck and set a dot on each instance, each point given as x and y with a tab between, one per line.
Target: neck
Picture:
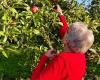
66	49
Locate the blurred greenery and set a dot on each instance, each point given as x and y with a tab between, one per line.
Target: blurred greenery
24	35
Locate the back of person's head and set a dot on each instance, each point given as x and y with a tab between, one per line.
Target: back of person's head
79	37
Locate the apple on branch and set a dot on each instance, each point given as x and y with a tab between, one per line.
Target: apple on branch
34	8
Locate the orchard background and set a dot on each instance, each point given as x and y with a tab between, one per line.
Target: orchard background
25	35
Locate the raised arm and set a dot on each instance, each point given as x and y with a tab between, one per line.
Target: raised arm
41	65
64	26
52	71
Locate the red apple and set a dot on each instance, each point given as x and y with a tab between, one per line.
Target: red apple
34	9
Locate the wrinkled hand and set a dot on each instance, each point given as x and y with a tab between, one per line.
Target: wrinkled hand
50	53
58	10
60	23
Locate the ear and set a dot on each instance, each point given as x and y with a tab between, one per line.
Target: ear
65	36
65	42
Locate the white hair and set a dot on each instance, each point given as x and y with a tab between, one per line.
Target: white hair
80	38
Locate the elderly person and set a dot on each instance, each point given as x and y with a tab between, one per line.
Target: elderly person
70	64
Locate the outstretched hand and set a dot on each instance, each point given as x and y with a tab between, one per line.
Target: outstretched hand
50	53
58	10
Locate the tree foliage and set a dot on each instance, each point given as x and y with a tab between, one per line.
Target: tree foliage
95	9
24	35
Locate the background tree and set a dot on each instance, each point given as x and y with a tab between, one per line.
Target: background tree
94	9
25	35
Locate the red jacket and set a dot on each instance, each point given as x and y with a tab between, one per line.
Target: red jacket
63	29
65	66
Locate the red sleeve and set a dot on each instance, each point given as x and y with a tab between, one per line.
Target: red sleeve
52	71
63	28
39	67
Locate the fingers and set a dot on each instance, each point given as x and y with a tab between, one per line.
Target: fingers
58	10
52	56
50	53
60	23
58	7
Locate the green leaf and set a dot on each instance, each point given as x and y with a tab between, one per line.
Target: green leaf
5	54
37	32
13	50
13	10
5	16
98	61
1	33
1	48
22	22
5	39
92	50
